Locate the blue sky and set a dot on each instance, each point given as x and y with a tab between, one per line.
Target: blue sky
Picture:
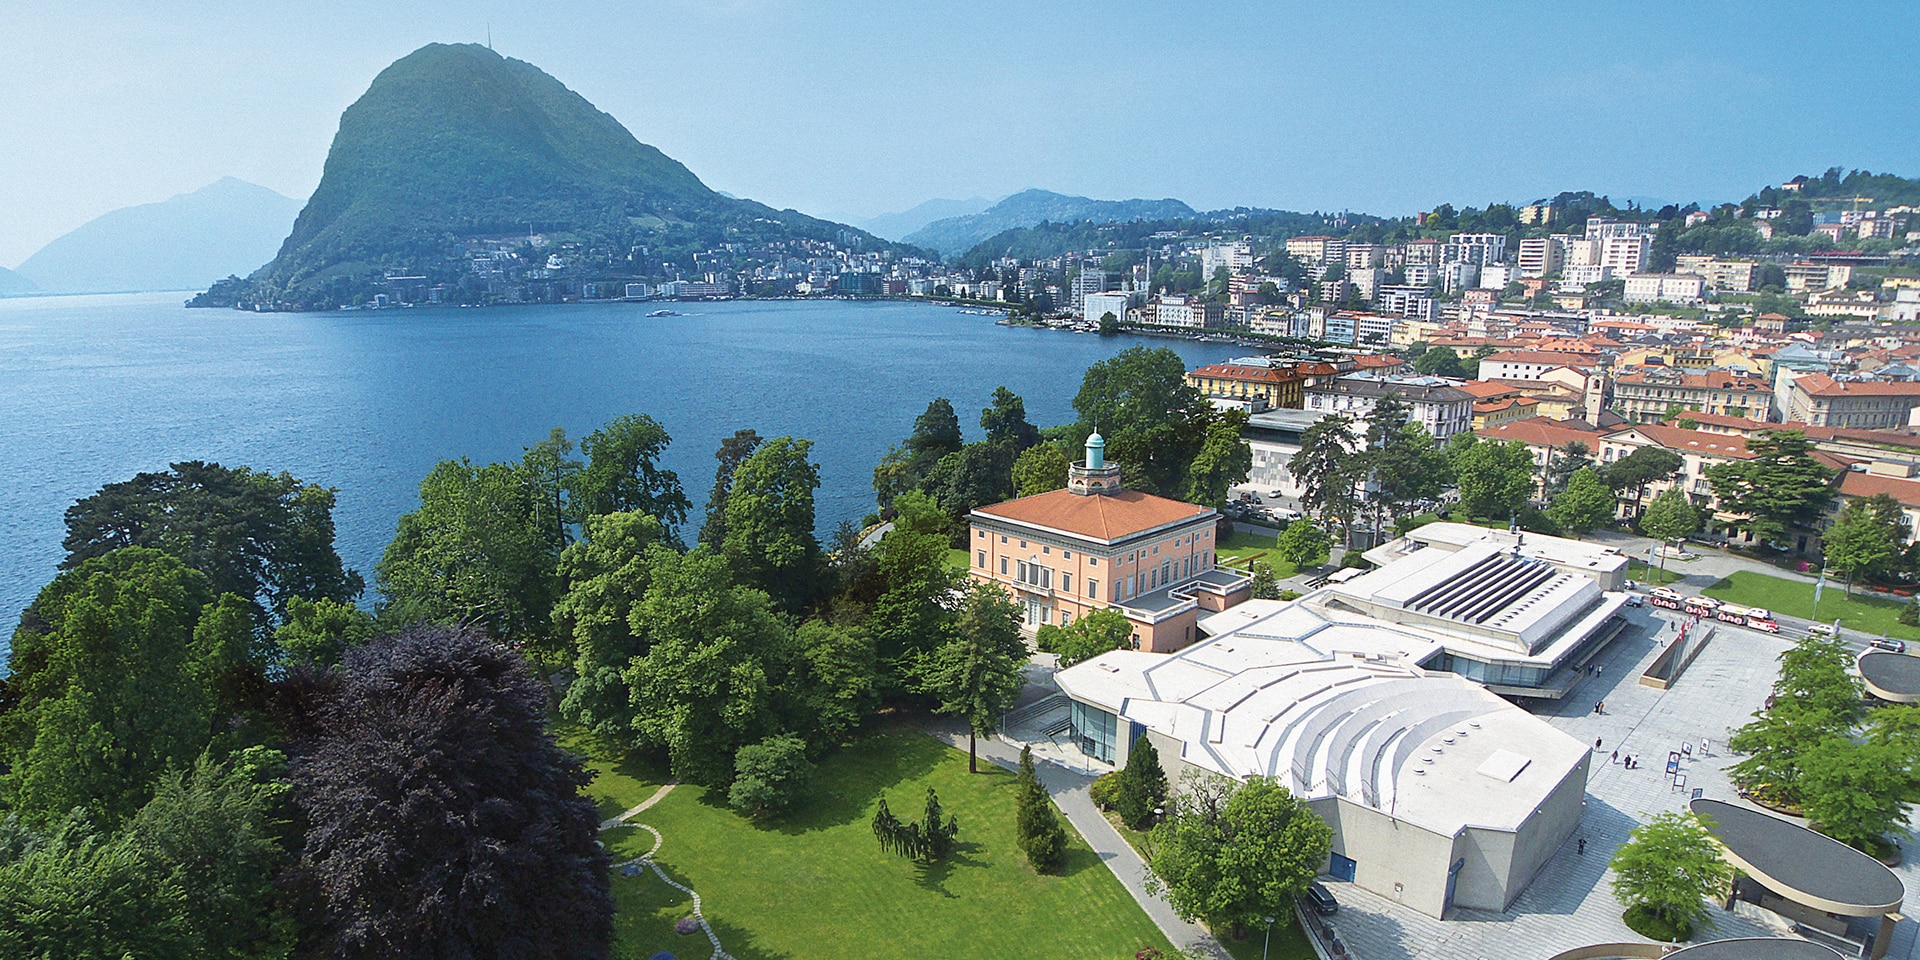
853	109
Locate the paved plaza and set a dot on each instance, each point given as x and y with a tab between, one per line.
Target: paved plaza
1570	903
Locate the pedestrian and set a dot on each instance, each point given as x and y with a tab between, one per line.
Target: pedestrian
1615	758
1596	743
1583	846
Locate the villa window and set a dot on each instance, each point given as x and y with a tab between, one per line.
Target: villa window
1003	566
1093	561
982	534
1046	550
1093	589
980	559
1066	583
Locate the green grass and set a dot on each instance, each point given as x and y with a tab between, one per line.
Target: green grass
816	884
1867	614
1243	548
959	559
1638	570
618	785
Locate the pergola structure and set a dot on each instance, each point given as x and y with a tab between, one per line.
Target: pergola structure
1893	677
1827	888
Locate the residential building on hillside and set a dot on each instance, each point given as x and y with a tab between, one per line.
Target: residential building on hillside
1432	402
1624	256
1281	385
1540	256
1173	310
1893	478
1317	250
1726	276
1479	249
1805	276
1492	413
1822	401
1545	440
1096	545
1645	396
1664	288
1528	364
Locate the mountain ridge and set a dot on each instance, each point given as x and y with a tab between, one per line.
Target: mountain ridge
900	223
181	243
955	235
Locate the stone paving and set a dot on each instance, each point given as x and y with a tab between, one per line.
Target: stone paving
1570	902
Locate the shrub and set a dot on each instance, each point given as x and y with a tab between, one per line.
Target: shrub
769	776
1104	790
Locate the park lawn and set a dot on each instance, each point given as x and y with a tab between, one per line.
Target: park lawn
1638	570
618	785
958	559
817	884
1867	614
1242	549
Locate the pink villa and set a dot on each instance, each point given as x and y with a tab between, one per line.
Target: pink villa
1096	546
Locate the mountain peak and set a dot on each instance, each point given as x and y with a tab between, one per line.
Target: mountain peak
1034	205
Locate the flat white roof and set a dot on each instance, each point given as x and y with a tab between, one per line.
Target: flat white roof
1447	535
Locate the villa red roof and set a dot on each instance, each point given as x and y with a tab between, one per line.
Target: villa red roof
1103	518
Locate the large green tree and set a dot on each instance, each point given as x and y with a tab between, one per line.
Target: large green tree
623	472
936	434
110	685
770	540
1859	792
72	893
476	550
1303	544
1086	638
1440	362
1006	421
1563	463
1224	459
1779	488
1153	421
733	452
1229	853
977	674
1325	468
1039	468
266	537
912	613
1142	789
607	574
1495	479
1866	539
1669	868
1585	504
1641	466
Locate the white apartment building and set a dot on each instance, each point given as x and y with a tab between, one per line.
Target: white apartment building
1431	401
1459	275
1626	255
1406	300
1366	280
1374	329
1317	250
1365	256
1729	276
1540	256
1496	276
1096	304
1600	228
1479	248
1664	288
1178	311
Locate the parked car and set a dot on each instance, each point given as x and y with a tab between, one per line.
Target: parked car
1822	630
1636	600
1888	644
1323	902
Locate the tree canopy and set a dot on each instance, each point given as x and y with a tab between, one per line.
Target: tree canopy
1669	868
1781	487
769	538
1231	853
1153	422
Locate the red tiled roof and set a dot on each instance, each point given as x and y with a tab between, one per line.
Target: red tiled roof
1866	485
1551	357
1103	518
1821	385
1542	432
1231	371
1503	403
1711	380
1731	446
1489	389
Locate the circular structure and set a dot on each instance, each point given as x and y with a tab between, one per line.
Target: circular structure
1755	948
1803	866
1893	677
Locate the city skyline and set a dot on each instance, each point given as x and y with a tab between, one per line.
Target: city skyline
858	110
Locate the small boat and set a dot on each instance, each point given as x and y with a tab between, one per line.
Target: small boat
661	313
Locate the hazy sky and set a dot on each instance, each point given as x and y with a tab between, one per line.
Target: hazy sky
848	110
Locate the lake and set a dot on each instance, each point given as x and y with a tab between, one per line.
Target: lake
96	389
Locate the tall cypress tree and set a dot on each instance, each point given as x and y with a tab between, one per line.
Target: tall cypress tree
1143	786
1041	837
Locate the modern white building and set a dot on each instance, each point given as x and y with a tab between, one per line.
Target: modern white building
1096	304
1664	288
1432	402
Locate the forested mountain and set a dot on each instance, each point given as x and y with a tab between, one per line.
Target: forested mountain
11	283
956	235
183	243
455	145
894	226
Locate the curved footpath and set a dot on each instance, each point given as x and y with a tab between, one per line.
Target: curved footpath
646	860
1069	793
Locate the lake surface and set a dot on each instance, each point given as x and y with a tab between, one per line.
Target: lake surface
96	389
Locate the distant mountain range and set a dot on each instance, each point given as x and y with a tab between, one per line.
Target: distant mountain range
454	146
895	226
12	283
183	243
955	235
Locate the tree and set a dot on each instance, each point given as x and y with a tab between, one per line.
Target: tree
72	893
444	822
1265	585
1405	462
214	831
1229	853
1816	698
1865	539
1086	638
926	840
623	473
1037	827
1563	463
977	674
1669	519
1324	469
1006	421
1143	786
1495	479
936	433
1667	871
318	631
1224	459
912	614
607	575
1109	324
1641	466
733	451
835	683
550	472
1780	487
1440	362
713	664
1585	504
1153	421
1858	793
1303	545
770	541
108	683
265	537
1039	468
769	776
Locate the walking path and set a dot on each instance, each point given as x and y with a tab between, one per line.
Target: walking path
1069	792
646	860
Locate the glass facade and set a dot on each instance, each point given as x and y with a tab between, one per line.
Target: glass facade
1094	728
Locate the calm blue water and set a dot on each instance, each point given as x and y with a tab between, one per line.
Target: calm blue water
96	389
